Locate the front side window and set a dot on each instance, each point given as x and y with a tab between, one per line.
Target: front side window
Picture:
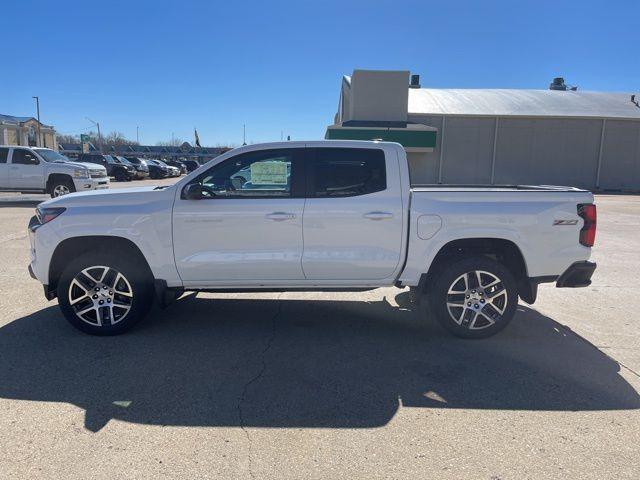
253	174
347	172
4	153
24	157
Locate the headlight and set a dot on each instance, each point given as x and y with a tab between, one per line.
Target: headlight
81	173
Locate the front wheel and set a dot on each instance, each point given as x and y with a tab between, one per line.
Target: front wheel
105	294
61	187
474	297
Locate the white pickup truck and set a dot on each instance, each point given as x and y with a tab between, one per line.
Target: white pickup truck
42	170
323	215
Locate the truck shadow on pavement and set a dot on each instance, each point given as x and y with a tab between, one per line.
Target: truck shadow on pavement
294	363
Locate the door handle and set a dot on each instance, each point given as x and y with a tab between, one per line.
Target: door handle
378	215
281	216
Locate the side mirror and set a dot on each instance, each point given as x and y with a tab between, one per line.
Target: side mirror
193	191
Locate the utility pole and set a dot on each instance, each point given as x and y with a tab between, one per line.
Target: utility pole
97	124
137	135
39	142
244	134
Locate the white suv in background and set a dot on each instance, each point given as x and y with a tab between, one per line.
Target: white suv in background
41	170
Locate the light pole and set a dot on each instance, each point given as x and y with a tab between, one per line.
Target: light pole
39	142
244	134
97	124
138	135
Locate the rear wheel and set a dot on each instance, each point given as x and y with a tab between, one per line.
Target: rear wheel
105	294
474	297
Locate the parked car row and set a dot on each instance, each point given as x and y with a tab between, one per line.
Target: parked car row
124	169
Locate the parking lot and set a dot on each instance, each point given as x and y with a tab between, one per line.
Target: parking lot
325	385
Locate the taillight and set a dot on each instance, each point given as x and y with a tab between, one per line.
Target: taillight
588	233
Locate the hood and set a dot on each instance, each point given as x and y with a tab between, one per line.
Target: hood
90	166
109	197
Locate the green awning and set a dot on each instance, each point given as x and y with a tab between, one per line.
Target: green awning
415	137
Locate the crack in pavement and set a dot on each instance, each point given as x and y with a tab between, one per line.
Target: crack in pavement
254	379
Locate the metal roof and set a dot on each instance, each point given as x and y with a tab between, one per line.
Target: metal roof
526	103
12	119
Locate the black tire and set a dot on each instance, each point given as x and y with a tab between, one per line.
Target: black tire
55	184
479	314
139	282
119	176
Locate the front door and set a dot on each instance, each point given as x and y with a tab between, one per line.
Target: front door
26	170
4	168
247	228
353	218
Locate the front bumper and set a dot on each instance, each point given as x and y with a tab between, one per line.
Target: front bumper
577	275
141	174
86	184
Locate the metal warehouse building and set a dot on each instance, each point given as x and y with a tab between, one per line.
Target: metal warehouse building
482	136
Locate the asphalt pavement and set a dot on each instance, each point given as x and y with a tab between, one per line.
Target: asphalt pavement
325	385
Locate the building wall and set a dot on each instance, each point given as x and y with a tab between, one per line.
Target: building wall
560	151
620	167
378	95
548	151
19	135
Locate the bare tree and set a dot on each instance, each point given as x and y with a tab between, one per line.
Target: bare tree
117	138
61	138
174	142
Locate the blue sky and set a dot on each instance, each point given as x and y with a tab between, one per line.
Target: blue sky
276	66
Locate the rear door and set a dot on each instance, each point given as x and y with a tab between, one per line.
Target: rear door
248	228
4	168
26	170
353	218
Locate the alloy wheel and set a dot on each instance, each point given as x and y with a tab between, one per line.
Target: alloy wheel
477	299
100	296
60	190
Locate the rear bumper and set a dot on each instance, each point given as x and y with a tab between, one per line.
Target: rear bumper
577	275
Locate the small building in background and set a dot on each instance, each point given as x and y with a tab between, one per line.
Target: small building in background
560	136
25	131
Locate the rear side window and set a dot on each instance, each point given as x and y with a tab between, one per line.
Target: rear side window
4	153
347	172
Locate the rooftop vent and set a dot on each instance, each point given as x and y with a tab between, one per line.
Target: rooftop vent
415	81
558	84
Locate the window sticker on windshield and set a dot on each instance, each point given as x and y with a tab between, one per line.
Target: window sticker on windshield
269	173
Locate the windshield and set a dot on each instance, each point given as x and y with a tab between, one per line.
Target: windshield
110	159
123	160
51	155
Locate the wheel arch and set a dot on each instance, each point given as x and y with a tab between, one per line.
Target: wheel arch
75	246
56	177
503	250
